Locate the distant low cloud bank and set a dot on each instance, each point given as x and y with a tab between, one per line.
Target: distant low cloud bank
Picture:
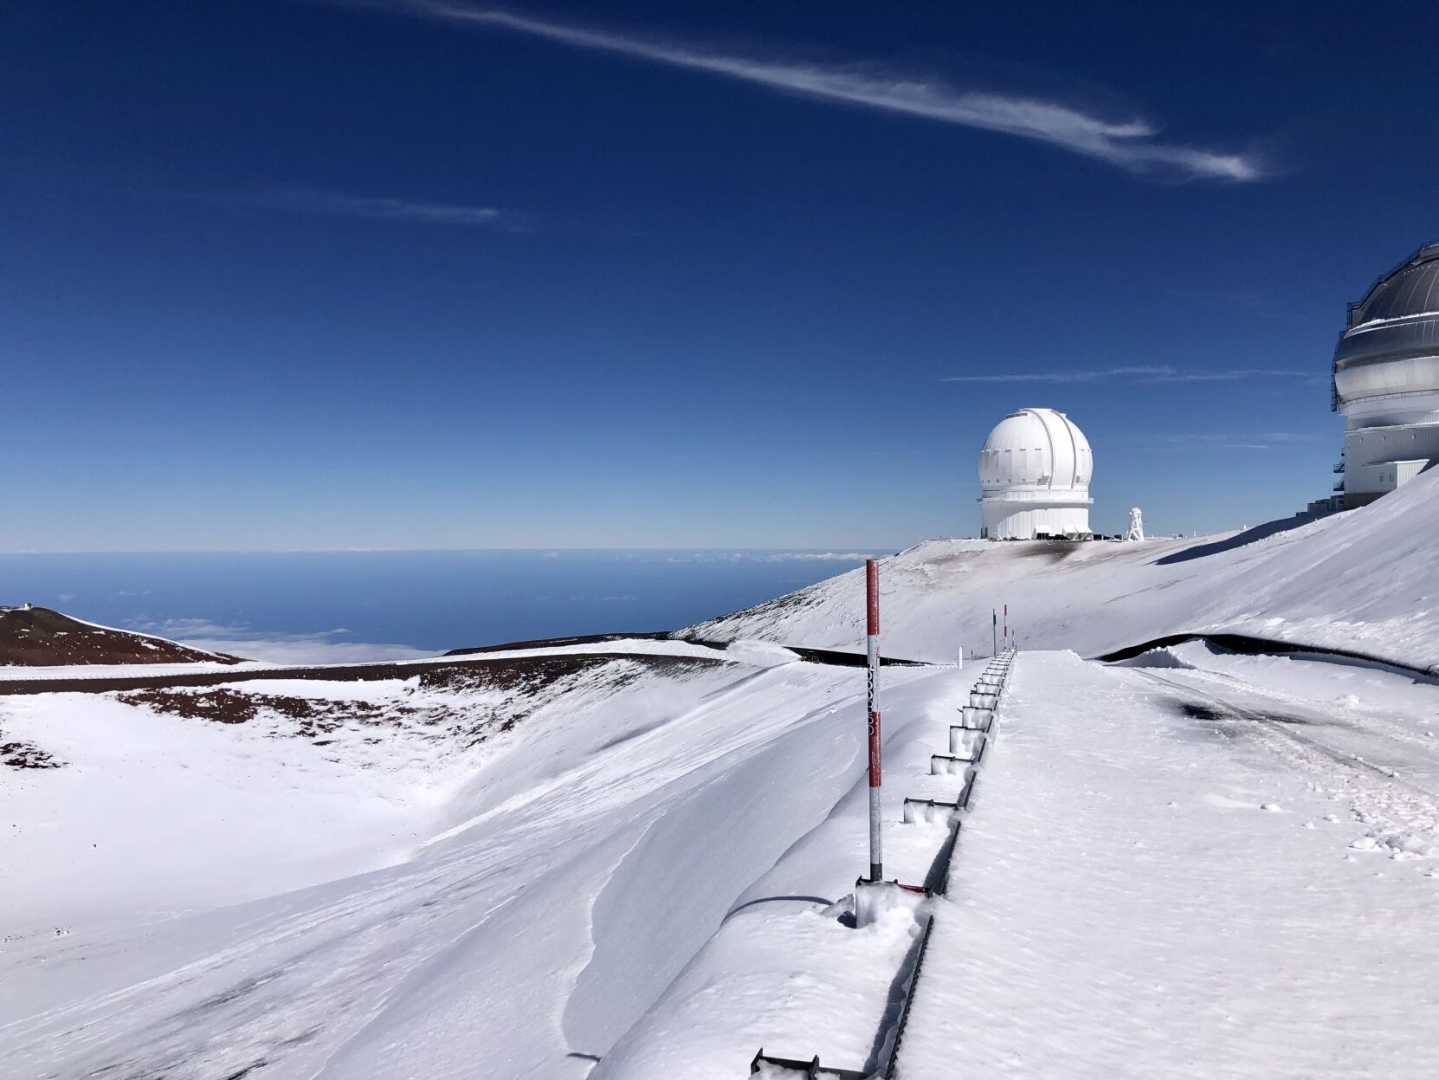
324	647
1131	143
772	556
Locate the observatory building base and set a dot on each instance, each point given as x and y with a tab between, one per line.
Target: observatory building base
1049	522
1379	459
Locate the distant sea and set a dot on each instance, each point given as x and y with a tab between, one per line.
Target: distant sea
339	606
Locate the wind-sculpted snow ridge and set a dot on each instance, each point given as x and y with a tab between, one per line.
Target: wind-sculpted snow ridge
411	900
788	970
1363	582
270	784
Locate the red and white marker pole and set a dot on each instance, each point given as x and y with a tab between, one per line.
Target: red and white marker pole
871	580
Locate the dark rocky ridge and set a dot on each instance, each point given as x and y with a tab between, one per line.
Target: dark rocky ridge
40	637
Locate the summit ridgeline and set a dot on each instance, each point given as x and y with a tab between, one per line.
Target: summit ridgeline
39	637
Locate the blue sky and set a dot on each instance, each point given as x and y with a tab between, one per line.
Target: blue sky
289	275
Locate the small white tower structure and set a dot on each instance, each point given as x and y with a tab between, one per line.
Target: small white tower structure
1034	474
1136	525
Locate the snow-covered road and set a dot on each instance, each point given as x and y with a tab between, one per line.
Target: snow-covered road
1156	881
1364	716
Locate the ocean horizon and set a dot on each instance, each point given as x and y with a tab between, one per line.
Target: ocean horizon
338	606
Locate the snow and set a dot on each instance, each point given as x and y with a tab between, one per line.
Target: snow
783	973
1371	721
1362	581
563	891
170	814
181	813
630	646
756	986
1138	894
1193	863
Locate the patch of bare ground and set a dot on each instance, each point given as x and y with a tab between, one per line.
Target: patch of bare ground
223	705
465	702
1050	550
40	637
530	674
23	755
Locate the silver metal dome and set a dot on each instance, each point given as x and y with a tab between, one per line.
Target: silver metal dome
1411	288
1386	380
1390	343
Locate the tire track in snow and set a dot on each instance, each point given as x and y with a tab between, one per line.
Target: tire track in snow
1402	816
1309	743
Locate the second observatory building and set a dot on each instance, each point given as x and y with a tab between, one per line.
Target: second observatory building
1034	474
1386	381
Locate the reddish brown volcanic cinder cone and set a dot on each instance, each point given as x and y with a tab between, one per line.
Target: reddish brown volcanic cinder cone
40	637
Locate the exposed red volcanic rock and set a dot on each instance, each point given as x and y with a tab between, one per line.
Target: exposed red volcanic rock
39	637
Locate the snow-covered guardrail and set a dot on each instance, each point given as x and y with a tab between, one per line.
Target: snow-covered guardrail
967	743
967	747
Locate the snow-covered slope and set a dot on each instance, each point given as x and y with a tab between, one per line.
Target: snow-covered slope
501	907
630	859
1158	876
1363	581
185	797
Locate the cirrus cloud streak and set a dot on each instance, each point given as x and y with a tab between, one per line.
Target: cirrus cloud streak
1140	373
377	208
1130	144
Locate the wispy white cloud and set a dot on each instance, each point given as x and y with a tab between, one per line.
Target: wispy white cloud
336	204
773	556
1222	440
1129	143
1245	439
1140	374
821	556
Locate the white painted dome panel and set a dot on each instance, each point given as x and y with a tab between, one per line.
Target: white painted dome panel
1034	474
1036	447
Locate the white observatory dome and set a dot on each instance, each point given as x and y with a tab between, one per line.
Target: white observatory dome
1034	474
